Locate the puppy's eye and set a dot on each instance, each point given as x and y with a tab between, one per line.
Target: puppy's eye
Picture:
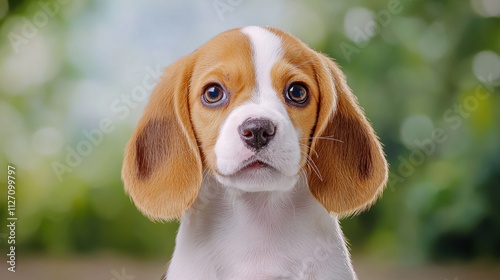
213	95
297	93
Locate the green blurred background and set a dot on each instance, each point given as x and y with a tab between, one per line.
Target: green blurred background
426	72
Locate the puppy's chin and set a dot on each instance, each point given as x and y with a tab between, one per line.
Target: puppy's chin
258	180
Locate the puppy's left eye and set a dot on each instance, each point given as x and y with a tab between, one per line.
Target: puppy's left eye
214	95
297	94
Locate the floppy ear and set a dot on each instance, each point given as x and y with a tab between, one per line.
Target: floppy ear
351	164
162	169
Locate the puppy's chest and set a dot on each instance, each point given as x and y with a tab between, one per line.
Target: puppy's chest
271	249
257	256
264	269
248	239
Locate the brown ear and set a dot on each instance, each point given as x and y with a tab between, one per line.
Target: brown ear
162	169
349	158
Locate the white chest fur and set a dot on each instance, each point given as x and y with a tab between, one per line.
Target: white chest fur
230	234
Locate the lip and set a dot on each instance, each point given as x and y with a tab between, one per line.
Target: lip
254	164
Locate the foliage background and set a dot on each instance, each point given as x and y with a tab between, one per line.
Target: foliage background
422	68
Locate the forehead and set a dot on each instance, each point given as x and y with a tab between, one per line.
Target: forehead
253	55
225	58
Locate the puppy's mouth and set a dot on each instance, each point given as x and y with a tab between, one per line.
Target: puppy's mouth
256	174
254	164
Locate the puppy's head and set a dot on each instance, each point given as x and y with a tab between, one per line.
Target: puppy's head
255	108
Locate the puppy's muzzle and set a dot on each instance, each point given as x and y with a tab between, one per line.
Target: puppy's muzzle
257	133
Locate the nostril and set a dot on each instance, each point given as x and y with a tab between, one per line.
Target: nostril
247	133
269	131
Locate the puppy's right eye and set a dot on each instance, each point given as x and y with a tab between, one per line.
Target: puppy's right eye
213	95
297	94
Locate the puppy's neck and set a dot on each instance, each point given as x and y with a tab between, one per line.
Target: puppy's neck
219	210
273	205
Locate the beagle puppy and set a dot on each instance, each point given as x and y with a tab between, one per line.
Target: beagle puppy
256	143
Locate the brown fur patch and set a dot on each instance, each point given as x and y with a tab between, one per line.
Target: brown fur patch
354	146
151	147
352	163
162	169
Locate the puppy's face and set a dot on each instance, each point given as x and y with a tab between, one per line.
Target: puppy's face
253	104
256	108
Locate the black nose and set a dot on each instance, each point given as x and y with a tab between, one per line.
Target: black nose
257	133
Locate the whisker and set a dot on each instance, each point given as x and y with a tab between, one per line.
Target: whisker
310	162
324	138
304	172
309	149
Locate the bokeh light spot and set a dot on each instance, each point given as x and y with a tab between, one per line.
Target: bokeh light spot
416	127
486	67
486	8
47	141
356	24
